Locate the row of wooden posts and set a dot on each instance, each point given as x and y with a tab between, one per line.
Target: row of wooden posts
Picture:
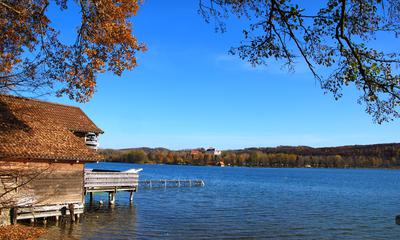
170	183
63	212
111	197
146	184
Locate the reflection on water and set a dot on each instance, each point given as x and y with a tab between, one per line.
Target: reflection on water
248	203
98	222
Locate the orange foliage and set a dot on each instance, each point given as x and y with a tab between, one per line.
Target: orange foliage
104	42
20	232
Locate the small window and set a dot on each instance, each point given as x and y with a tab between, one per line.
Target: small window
91	140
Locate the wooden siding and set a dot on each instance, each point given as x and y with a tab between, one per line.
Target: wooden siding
43	183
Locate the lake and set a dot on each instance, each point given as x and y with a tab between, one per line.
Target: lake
247	203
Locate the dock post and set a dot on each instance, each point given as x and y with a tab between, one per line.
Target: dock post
44	221
71	212
57	220
111	198
131	197
90	197
398	219
32	220
63	213
14	214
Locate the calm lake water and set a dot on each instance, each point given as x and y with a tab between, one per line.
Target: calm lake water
247	203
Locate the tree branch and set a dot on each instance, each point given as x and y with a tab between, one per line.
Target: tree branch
9	7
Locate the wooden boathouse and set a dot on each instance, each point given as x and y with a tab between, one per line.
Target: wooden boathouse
43	148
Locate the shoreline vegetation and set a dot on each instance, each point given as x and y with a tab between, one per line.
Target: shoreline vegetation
355	156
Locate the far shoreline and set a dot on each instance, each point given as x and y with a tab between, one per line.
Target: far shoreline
257	167
380	156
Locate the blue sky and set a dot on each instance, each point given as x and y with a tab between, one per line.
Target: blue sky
188	92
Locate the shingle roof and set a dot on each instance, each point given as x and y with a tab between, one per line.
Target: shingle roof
42	130
70	117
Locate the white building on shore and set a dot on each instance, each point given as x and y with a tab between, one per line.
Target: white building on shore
213	151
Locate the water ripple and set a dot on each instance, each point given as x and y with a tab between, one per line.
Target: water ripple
245	203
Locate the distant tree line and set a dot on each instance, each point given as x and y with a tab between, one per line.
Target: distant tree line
358	156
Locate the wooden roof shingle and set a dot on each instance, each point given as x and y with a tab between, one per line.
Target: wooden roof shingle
41	130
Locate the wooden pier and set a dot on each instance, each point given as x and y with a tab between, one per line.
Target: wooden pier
96	181
111	182
149	184
128	181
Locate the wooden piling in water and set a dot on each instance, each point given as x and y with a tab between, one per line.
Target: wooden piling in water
71	212
398	219
131	196
111	198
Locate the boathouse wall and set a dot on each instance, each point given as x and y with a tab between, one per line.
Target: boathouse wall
42	182
42	153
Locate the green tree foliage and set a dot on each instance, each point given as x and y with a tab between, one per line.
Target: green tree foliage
336	41
135	156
